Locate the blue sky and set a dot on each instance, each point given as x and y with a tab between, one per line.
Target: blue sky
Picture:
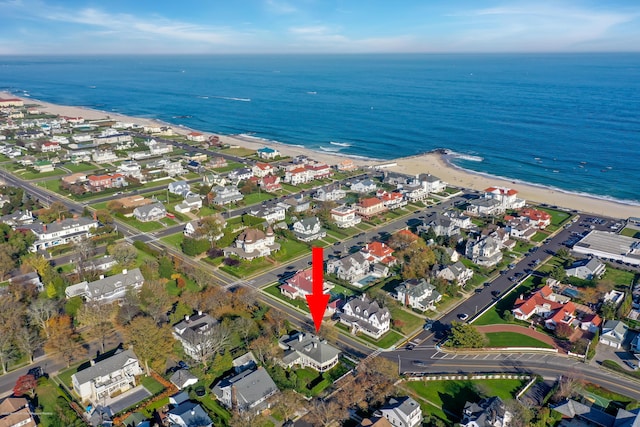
317	26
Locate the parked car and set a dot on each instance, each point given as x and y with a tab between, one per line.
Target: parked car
36	371
183	365
463	316
633	365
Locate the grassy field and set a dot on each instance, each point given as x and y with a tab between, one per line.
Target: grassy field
407	321
385	341
143	226
290	249
174	240
247	268
630	232
152	385
80	167
619	277
238	152
253	198
493	315
452	395
512	339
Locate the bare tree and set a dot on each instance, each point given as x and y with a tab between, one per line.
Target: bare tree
40	312
325	413
288	402
124	254
245	327
28	341
208	343
155	300
7	350
97	320
264	348
211	227
84	249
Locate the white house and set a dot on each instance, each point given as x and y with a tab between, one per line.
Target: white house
179	188
253	243
102	379
457	273
261	169
350	268
366	316
270	214
587	269
107	289
418	294
226	195
364	186
308	229
298	175
507	197
192	332
191	202
402	412
484	251
488	412
307	350
150	212
301	285
267	153
188	414
329	193
345	216
196	137
241	174
60	232
614	333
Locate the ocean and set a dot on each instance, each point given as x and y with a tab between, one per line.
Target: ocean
567	121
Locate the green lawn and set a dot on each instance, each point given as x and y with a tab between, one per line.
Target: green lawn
557	217
606	394
339	290
386	341
539	236
451	396
512	339
152	385
619	277
80	167
143	226
630	232
247	268
174	240
404	321
274	291
230	166
239	152
494	314
253	198
65	376
290	249
548	266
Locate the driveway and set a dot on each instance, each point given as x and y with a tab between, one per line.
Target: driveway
128	399
604	352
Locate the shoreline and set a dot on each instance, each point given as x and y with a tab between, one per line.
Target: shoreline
435	162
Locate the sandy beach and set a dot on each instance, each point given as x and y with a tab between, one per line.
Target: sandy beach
433	163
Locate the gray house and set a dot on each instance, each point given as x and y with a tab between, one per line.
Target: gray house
179	187
107	289
152	212
246	391
226	195
190	333
586	269
487	412
418	294
308	350
309	229
402	412
614	333
189	414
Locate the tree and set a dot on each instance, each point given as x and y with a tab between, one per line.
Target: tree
563	253
326	412
417	260
558	273
63	338
277	321
7	350
40	312
465	335
563	330
150	341
625	306
520	414
264	348
288	402
210	343
165	267
608	310
211	227
84	249
7	263
400	241
194	247
245	327
97	319
124	254
104	216
25	384
28	341
154	299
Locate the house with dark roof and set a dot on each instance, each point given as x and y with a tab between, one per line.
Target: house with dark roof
179	188
102	379
307	350
60	232
488	412
308	229
581	414
107	289
225	195
586	269
456	272
188	414
253	243
402	412
28	279
418	294
246	391
192	332
297	203
364	315
182	378
150	212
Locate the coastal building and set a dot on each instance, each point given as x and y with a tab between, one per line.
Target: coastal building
104	156
60	232
193	332
418	294
402	412
50	147
346	165
614	333
130	169
308	229
607	245
319	170
246	391
307	350
188	414
11	102
115	374
507	197
575	413
330	193
484	251
364	186
179	188
298	175
296	204
270	183
364	315
484	207
541	219
432	184
586	269
267	153
345	216
43	166
261	169
240	174
393	200
107	289
150	212
104	182
270	214
253	243
18	218
196	137
226	195
370	207
351	268
74	178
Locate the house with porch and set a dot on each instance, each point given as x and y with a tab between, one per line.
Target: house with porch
330	193
301	285
253	243
350	268
246	391
150	212
418	294
59	232
296	204
107	289
308	350
364	186
298	175
101	380
225	195
192	332
364	315
188	414
378	252
507	197
369	207
484	251
393	200
345	216
402	412
540	219
179	188
456	272
308	229
270	183
261	169
267	153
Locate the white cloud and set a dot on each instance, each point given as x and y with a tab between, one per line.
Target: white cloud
280	7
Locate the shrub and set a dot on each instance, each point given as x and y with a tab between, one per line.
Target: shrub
214	252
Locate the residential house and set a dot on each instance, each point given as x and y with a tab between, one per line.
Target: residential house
351	268
345	216
364	186
575	413
329	193
484	207
457	273
192	332
393	200
489	412
173	168
191	202
379	252
415	191
267	153
130	169
159	148
319	170
418	294
60	232
507	197
16	412
196	137
11	102
298	175
182	379
218	162
244	362
542	302
296	204
614	332
107	289
520	227
226	195
613	297
50	147
179	188
115	374
253	243
43	166
261	169
308	229
245	391
103	263
346	165
441	225
188	414
370	207
307	350
484	251
241	174
402	412
18	218
104	156
433	184
270	183
28	279
103	182
540	219
301	285
586	269
364	315
151	212
270	214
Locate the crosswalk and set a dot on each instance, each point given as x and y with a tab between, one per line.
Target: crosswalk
492	356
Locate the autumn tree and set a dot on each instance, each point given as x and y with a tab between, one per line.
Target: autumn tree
521	415
7	349
326	412
563	330
276	321
40	312
155	301
124	254
465	335
25	384
245	328
209	343
63	339
27	340
211	227
264	349
151	342
97	320
287	403
7	263
417	260
400	241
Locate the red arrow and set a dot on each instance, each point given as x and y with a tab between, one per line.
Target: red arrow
317	300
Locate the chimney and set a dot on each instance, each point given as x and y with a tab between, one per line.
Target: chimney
186	317
44	228
299	337
93	362
234	398
315	344
95	216
199	312
193	413
124	271
101	276
75	216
